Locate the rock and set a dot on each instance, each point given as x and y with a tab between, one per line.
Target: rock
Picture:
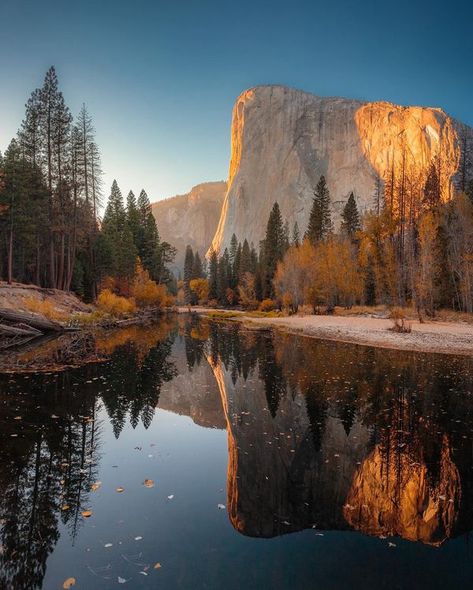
283	139
191	218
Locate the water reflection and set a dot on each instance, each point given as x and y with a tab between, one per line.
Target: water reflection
320	434
334	436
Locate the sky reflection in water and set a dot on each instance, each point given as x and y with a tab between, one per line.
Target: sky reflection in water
335	464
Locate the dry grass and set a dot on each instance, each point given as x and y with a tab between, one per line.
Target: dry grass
46	308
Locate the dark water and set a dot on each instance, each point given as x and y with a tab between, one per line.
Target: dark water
277	462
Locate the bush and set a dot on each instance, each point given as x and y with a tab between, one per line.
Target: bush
147	293
115	304
267	305
400	324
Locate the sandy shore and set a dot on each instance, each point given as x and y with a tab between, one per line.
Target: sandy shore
441	337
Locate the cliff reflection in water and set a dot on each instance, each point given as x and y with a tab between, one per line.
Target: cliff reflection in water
336	437
320	434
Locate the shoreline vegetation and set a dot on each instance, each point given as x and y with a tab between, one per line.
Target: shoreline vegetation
365	326
74	323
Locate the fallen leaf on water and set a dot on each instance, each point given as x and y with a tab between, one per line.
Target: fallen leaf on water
143	573
138	538
65	507
95	486
157	566
107	545
171	497
69	583
122	580
221	506
87	513
148	483
120	490
17	418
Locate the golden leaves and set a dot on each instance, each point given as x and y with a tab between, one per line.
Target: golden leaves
69	583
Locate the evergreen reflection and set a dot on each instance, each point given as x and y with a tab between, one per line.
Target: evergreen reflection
50	442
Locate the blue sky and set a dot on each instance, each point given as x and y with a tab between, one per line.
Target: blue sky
160	78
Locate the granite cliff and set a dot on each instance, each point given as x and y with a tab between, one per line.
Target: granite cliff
283	139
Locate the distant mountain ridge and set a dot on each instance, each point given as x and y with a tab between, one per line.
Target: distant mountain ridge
191	218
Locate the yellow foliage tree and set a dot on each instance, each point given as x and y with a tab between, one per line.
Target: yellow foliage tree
201	289
146	292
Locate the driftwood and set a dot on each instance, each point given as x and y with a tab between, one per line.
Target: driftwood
19	330
40	323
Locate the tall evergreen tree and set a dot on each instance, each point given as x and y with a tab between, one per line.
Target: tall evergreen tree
320	223
273	249
188	268
117	237
213	276
350	218
133	216
148	236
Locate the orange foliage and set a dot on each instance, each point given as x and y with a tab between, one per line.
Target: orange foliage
267	305
201	289
115	304
146	292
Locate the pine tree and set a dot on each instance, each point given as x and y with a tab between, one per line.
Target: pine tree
432	196
197	268
188	267
245	260
272	250
320	223
148	236
350	218
223	277
213	276
118	238
133	216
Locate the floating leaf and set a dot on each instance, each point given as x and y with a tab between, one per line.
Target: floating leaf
171	497
122	580
95	486
120	490
157	566
87	513
69	583
65	507
221	506
138	538
148	483
107	545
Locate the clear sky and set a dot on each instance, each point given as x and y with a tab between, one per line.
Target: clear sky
160	78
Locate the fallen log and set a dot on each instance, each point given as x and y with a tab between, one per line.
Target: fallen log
30	319
20	330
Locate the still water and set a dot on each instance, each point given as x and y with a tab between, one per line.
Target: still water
210	456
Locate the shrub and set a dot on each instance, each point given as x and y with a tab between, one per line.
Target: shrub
400	324
146	292
267	305
115	304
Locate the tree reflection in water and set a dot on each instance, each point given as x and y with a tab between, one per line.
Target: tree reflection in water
319	434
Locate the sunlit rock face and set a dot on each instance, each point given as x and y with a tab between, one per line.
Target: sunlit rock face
392	494
191	218
283	139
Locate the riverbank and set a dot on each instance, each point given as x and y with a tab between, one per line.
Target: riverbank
432	336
